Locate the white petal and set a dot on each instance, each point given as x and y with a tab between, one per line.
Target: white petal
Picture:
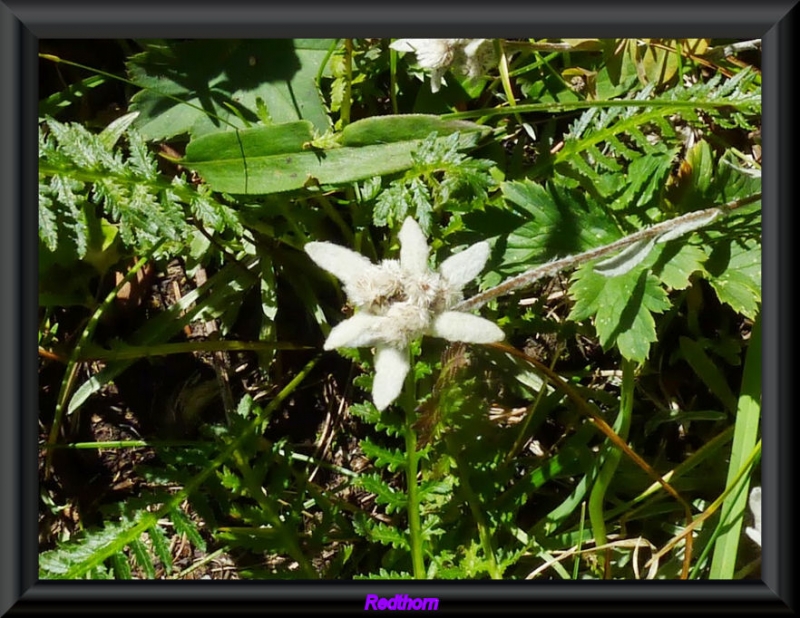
461	268
391	368
460	326
436	79
345	264
363	329
404	45
755	506
413	247
431	53
472	46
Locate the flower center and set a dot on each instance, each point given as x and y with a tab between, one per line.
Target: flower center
409	300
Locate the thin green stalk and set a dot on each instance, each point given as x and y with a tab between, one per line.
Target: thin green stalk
566	106
484	531
120	444
576	565
334	215
409	396
734	489
745	435
522	434
68	383
709	449
613	457
712	508
344	111
393	80
92	352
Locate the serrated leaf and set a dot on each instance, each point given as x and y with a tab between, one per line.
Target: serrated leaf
675	263
622	308
183	525
158	538
384	494
382	457
121	566
735	269
386	535
142	557
645	178
556	222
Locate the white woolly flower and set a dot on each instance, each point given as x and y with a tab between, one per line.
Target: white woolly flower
398	301
469	57
754	532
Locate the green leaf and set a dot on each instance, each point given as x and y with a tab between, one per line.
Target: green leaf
183	525
384	494
622	308
380	532
402	128
273	159
708	372
121	566
143	558
645	179
554	222
161	546
203	86
392	459
675	262
735	269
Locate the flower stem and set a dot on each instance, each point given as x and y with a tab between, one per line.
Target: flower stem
412	461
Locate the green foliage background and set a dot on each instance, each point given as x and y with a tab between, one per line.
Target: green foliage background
229	156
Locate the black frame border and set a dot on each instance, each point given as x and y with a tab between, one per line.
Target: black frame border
22	23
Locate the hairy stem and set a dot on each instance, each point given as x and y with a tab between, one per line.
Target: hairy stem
412	463
699	217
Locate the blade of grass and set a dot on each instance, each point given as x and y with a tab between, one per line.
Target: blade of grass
745	435
614	455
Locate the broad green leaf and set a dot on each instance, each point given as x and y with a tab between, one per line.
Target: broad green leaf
202	86
401	128
272	159
622	308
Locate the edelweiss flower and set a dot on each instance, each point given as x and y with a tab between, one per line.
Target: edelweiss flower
398	301
755	506
470	57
